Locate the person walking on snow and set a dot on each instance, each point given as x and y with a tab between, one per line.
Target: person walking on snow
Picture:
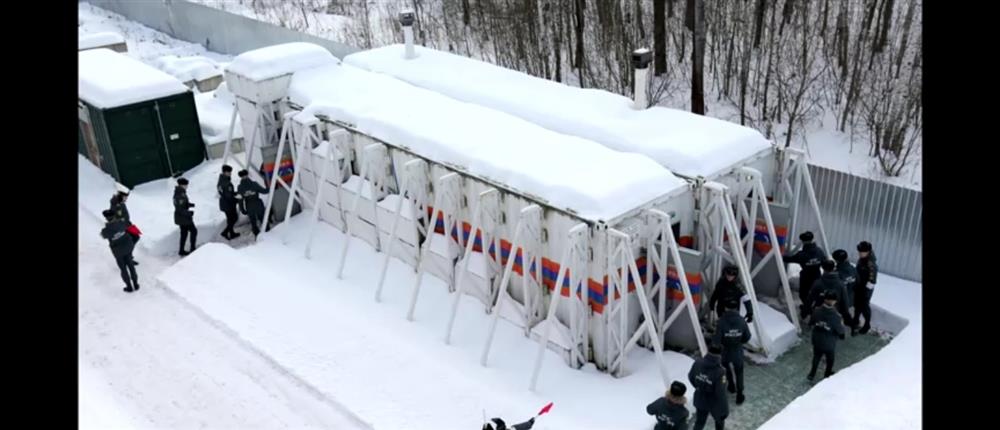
669	410
732	333
827	327
227	201
865	287
848	274
830	282
809	258
121	245
184	216
707	377
252	205
117	205
727	289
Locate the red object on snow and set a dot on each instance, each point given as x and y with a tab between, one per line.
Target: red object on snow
545	409
133	230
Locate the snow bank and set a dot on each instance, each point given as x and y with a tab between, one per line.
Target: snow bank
371	359
780	331
568	172
104	38
150	205
886	386
215	108
185	69
687	144
278	60
109	79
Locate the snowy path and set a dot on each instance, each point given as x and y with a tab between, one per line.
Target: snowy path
167	367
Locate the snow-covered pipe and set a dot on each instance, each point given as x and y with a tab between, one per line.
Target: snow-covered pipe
640	61
406	18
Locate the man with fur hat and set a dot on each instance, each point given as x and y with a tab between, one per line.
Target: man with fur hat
184	216
732	333
117	205
827	327
708	378
809	257
830	282
121	247
669	410
847	273
227	201
728	289
252	205
865	286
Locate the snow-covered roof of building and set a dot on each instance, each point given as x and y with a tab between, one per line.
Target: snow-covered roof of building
93	40
277	60
688	144
194	67
109	79
567	172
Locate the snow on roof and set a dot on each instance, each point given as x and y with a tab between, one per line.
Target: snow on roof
687	144
194	67
568	172
278	60
104	38
215	108
109	79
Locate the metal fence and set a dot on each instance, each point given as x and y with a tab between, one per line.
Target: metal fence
216	30
856	209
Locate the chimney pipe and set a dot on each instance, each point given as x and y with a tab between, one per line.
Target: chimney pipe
640	61
406	19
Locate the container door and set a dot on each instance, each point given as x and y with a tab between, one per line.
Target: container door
135	139
181	132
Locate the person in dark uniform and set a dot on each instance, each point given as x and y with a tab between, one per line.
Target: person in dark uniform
732	333
252	205
184	216
121	247
865	287
848	274
830	282
228	201
809	257
707	377
728	289
827	327
117	205
669	410
501	425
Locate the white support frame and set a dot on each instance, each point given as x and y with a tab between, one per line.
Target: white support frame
526	216
663	245
794	168
621	264
275	176
329	157
446	197
572	267
374	154
412	168
482	201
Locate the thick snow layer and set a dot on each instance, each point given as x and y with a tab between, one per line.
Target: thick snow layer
273	61
189	68
887	386
688	144
104	38
150	205
395	373
98	406
215	109
781	333
567	172
109	79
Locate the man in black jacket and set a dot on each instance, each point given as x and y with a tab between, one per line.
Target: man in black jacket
827	327
117	205
669	410
732	333
809	257
184	216
707	377
829	282
227	201
728	289
253	206
121	247
848	274
865	287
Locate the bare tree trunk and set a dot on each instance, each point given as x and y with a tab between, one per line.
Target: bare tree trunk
698	59
670	8
659	38
883	35
580	6
465	12
907	22
759	22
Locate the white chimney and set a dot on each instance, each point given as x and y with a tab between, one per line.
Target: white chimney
406	18
640	61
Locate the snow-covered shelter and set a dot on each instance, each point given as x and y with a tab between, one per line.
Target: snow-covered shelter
498	207
104	39
740	178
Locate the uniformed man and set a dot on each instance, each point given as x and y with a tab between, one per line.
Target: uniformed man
809	257
669	410
728	289
121	245
708	378
830	282
827	327
184	216
227	201
865	286
848	274
252	205
732	333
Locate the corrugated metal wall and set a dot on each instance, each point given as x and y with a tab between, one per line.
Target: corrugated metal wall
856	209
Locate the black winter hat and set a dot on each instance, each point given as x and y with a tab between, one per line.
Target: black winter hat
243	173
108	214
828	266
864	246
839	255
677	388
830	295
806	237
730	270
182	181
227	168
